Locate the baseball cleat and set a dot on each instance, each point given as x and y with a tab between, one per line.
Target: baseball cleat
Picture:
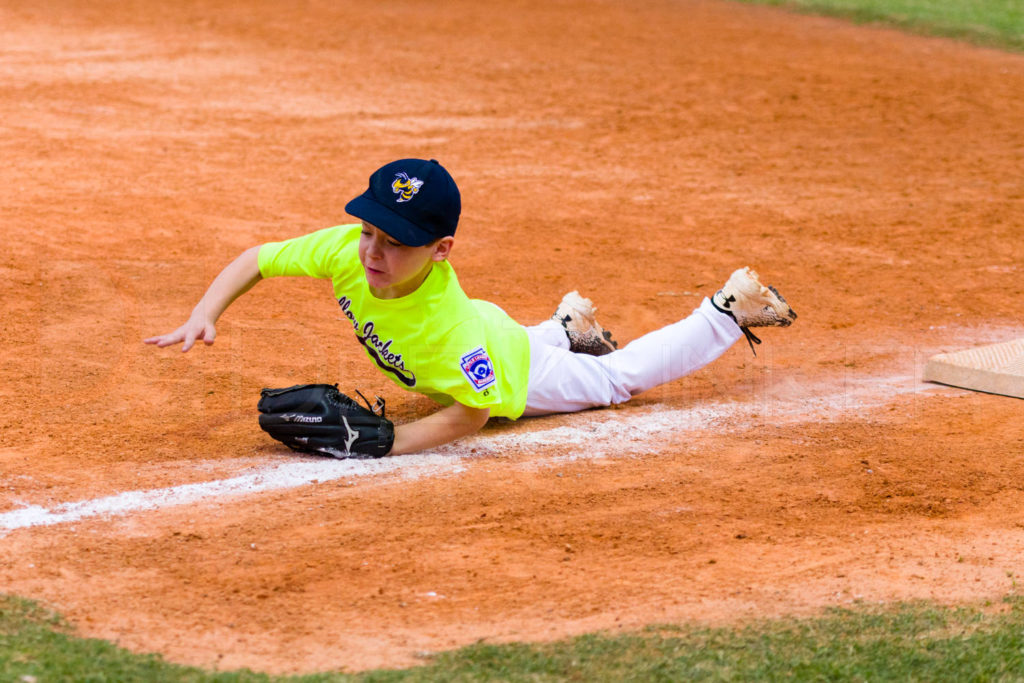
576	315
752	304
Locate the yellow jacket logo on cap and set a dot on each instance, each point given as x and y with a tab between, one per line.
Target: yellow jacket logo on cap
405	187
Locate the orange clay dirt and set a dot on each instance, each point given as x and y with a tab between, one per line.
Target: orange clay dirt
636	151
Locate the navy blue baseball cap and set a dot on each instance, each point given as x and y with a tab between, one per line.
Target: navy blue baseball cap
414	201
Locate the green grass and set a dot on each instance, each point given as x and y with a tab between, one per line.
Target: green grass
911	642
36	643
995	23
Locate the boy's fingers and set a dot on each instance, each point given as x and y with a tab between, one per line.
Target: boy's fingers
189	337
168	339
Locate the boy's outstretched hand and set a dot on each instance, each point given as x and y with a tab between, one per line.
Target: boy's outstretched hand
237	278
198	327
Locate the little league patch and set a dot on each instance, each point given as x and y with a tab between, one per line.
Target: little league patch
478	369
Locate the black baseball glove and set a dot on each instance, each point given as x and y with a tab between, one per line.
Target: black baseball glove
317	418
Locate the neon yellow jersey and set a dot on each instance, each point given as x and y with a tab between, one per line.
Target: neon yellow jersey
435	341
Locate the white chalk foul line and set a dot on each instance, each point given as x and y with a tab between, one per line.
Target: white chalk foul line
596	434
291	474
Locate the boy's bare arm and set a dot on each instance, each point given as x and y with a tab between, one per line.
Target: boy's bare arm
445	425
236	279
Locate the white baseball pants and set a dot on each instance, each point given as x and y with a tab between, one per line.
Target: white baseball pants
564	382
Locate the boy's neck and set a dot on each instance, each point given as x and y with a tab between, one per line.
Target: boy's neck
404	288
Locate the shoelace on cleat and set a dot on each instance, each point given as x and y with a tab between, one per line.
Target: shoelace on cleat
751	339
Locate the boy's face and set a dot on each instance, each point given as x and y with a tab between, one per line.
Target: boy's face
394	269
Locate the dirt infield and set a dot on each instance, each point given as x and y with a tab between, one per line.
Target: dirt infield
636	151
